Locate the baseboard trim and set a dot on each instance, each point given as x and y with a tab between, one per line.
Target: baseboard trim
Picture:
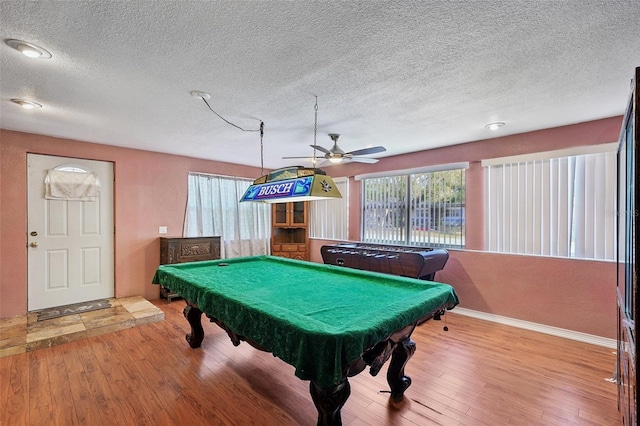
541	328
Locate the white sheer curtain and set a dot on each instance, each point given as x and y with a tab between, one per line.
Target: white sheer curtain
213	209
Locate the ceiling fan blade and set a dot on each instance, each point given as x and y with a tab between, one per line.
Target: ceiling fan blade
364	160
321	149
368	151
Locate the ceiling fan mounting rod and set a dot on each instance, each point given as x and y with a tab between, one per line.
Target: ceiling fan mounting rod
335	154
315	131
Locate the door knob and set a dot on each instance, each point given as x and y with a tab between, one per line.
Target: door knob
33	244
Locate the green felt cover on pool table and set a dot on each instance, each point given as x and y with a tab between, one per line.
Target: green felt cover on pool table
315	317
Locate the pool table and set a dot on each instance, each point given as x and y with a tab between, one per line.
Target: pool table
327	321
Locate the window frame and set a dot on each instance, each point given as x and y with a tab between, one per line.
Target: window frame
407	232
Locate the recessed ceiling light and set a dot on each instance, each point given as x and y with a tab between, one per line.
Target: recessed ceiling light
26	104
494	126
28	49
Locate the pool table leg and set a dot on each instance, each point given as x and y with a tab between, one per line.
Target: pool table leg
398	382
193	314
329	401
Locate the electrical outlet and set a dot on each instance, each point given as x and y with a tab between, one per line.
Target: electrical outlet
162	230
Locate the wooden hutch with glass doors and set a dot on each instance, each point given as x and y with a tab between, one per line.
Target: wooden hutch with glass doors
290	231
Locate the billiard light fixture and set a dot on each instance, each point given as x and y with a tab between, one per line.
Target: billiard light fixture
494	126
289	184
26	104
29	50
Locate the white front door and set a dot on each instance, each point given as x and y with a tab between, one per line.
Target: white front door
70	243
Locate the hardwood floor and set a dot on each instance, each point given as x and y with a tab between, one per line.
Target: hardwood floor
477	373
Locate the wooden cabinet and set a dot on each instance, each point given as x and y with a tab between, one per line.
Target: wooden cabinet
290	214
181	250
290	234
628	298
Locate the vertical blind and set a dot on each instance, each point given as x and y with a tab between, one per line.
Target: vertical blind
556	207
329	219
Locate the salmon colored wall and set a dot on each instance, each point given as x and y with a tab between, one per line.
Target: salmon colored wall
150	191
572	294
576	295
582	134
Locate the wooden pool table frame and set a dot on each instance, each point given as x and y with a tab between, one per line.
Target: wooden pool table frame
329	400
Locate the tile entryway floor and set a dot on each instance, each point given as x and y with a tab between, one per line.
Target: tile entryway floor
24	333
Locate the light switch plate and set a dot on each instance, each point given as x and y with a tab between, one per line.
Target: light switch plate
162	230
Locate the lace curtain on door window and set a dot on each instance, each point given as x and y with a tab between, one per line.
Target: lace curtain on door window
71	183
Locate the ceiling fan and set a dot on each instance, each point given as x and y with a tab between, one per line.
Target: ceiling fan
336	155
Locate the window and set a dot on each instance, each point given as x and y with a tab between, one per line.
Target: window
418	209
329	219
559	206
213	209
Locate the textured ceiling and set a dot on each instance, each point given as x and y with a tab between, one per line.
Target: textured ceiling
407	75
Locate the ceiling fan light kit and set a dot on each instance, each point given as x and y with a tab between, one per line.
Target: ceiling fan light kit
336	155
